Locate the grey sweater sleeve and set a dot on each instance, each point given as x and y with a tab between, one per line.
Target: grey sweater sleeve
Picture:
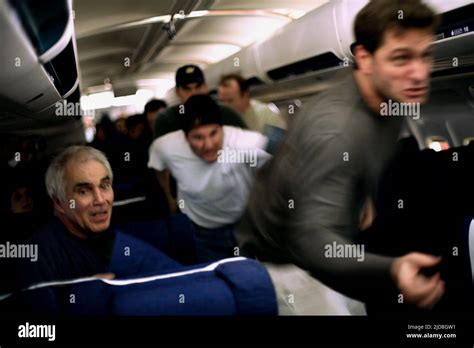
328	184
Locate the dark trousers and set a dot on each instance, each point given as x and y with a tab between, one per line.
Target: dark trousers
214	244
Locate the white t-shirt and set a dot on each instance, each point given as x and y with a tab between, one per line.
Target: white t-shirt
259	115
212	194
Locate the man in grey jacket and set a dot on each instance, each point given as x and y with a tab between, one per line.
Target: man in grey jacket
307	203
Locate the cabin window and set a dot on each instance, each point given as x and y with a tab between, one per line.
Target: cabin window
437	143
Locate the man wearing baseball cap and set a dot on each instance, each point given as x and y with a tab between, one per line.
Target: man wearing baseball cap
190	81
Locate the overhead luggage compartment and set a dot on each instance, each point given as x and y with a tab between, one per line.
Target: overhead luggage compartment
319	43
38	52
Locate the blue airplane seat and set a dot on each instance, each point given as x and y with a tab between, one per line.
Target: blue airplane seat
235	286
174	235
132	256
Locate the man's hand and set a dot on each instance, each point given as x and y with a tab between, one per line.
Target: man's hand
172	205
107	276
368	215
415	287
164	181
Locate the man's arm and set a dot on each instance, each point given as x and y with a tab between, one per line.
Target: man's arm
231	117
162	126
323	225
158	161
164	181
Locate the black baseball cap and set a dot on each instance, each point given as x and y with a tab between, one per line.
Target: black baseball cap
189	74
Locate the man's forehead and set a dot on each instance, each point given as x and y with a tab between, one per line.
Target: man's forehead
192	85
79	170
227	91
412	38
231	83
206	128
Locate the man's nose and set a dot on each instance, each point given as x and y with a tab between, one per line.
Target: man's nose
208	144
420	70
98	196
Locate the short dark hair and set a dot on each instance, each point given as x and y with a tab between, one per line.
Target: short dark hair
200	110
243	84
154	105
135	120
374	19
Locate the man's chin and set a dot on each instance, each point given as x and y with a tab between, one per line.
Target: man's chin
99	227
210	159
417	100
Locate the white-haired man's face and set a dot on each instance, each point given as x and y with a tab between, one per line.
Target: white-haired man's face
89	198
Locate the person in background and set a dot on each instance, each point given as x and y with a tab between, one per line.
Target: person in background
212	186
190	81
152	109
234	92
23	215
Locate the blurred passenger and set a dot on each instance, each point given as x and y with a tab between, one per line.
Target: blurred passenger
29	154
133	178
106	135
306	205
134	148
27	164
190	81
121	126
89	129
22	217
21	200
152	109
18	223
137	129
214	166
234	92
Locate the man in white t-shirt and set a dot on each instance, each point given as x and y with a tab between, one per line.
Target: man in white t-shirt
214	167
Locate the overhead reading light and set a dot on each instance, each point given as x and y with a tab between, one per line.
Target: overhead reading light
97	100
195	14
159	87
106	99
125	100
99	88
291	13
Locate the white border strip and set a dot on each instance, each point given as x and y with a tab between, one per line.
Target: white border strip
129	201
63	41
471	247
208	268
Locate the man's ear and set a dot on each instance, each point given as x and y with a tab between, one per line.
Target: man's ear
364	60
57	205
177	90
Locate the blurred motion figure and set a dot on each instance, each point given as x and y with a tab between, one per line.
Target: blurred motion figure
310	198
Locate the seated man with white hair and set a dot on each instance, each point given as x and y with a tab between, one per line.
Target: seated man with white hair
80	241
